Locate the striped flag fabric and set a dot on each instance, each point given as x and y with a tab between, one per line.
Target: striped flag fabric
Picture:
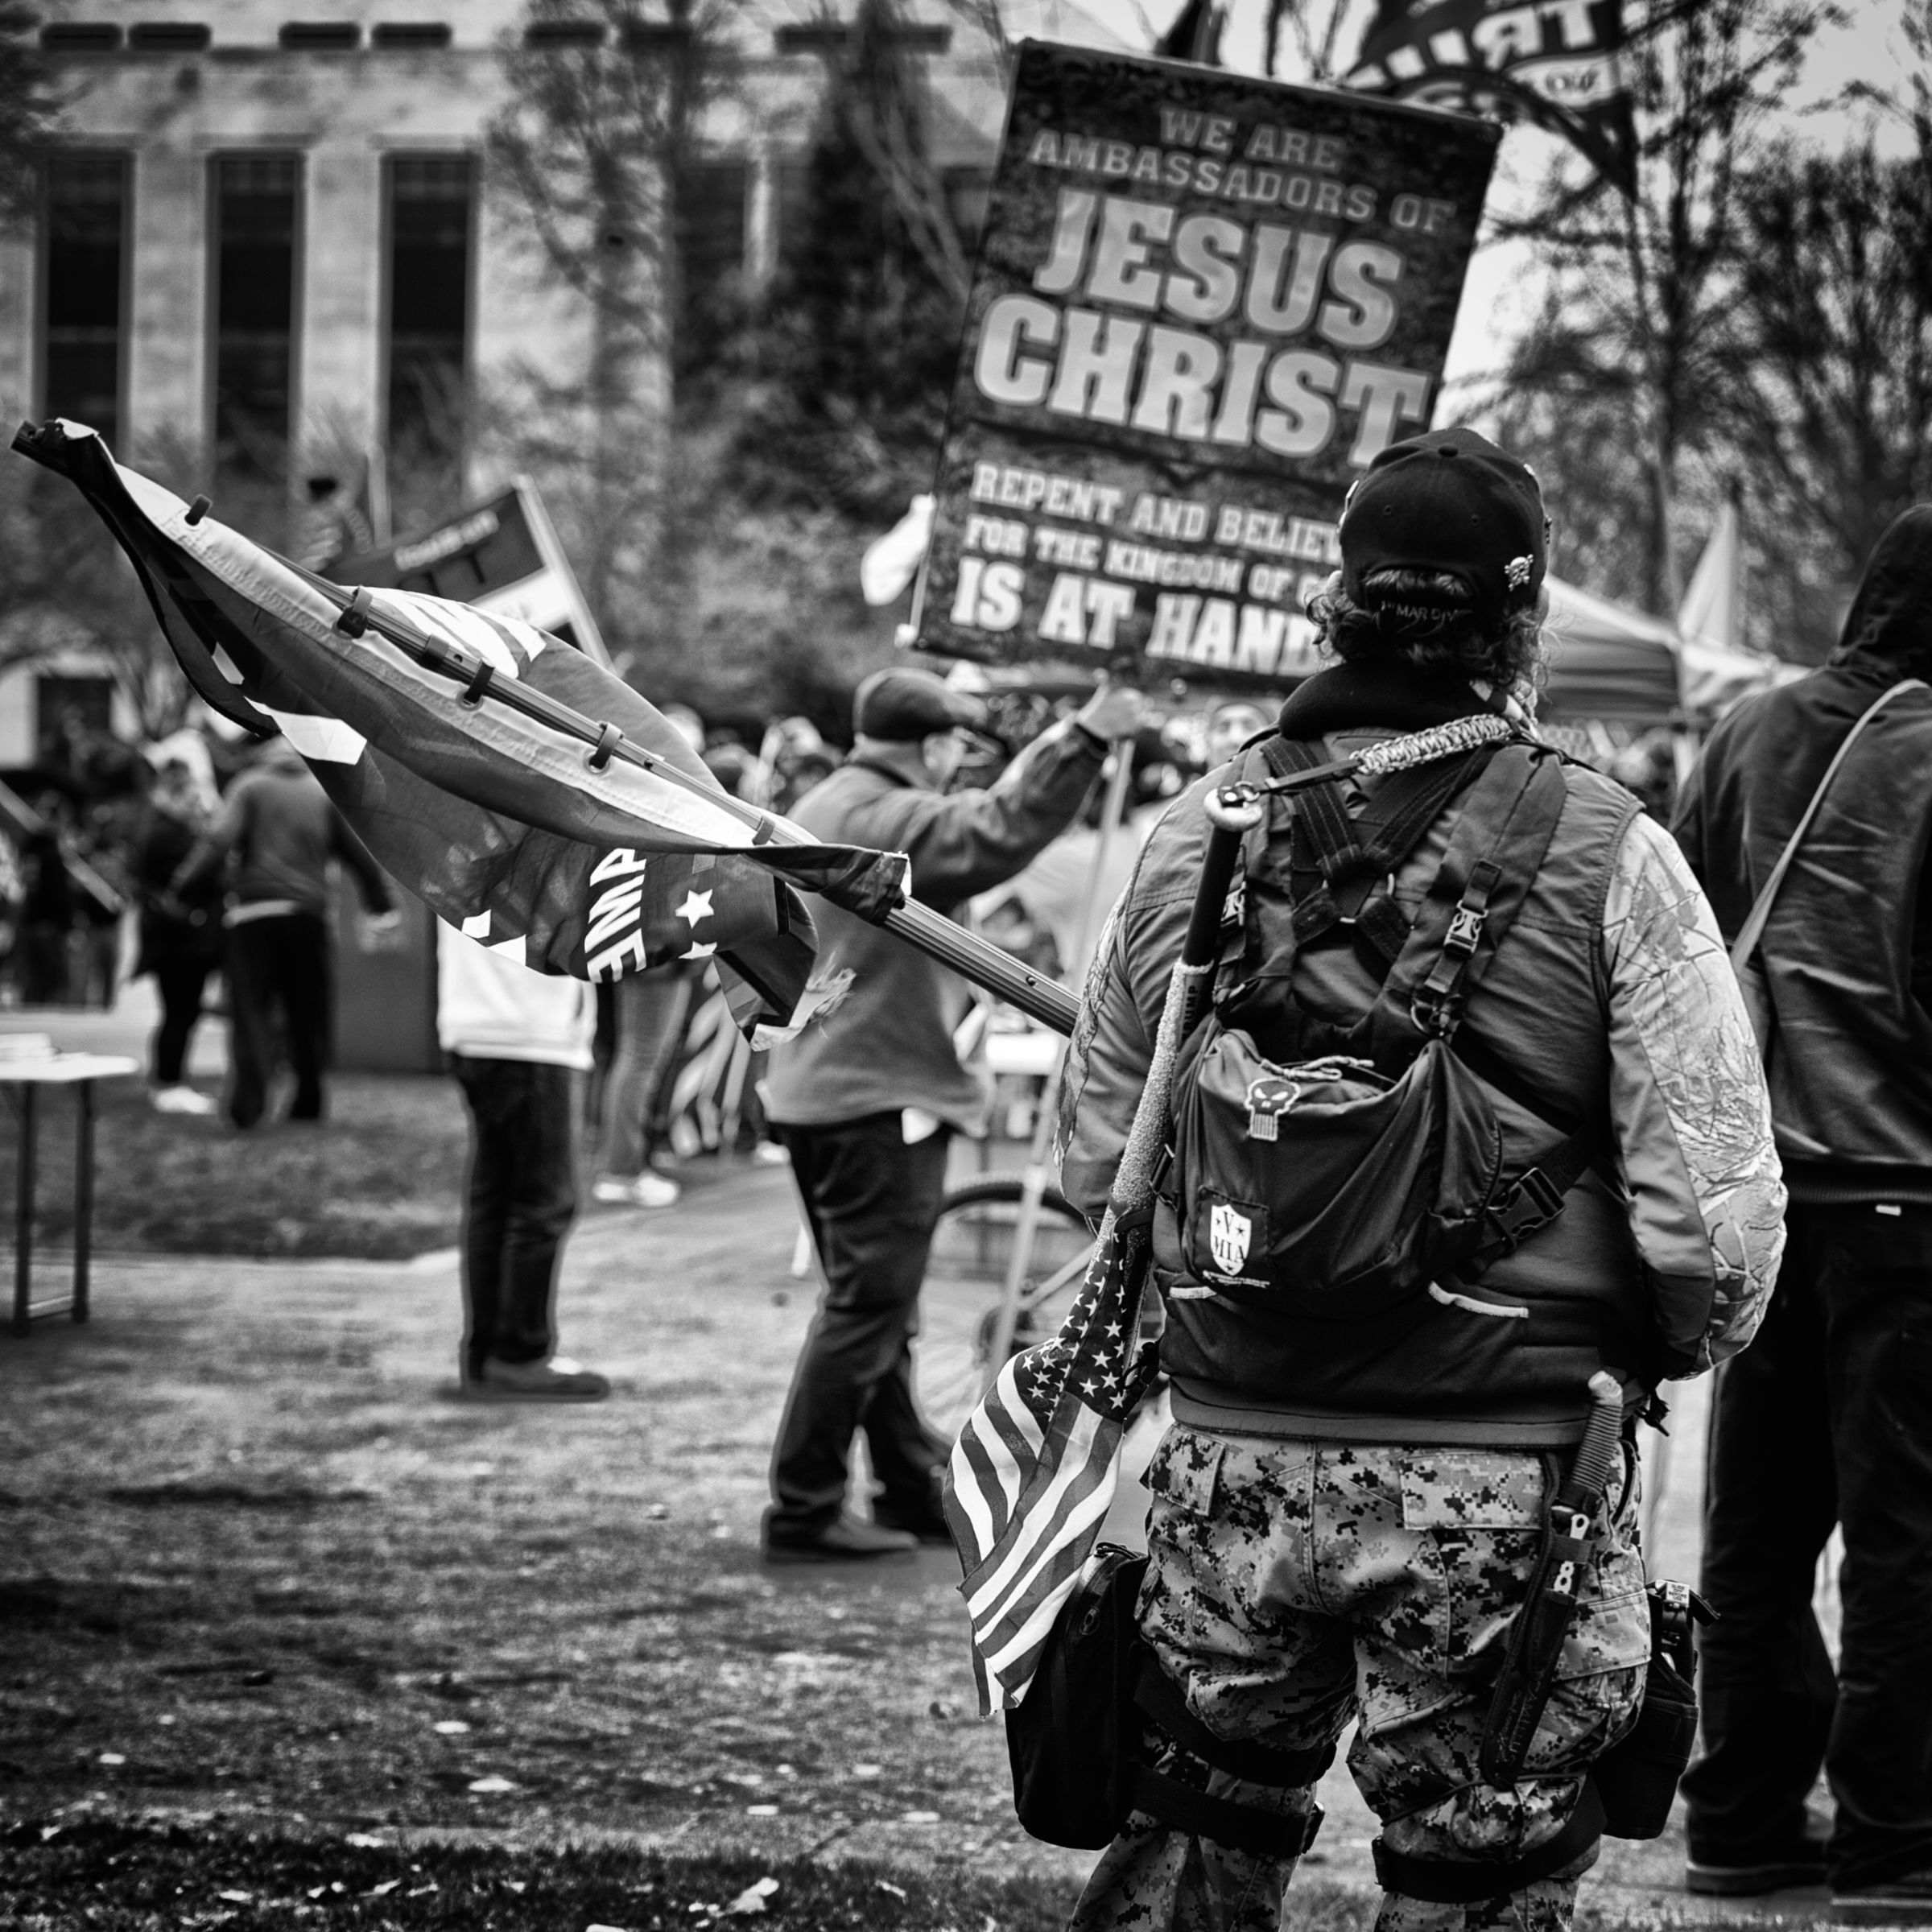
1035	1468
499	820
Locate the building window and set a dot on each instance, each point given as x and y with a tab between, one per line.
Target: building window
320	36
409	33
84	302
168	37
80	37
429	255
564	33
254	310
832	36
711	200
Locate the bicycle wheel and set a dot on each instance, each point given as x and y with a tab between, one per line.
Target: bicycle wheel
966	1275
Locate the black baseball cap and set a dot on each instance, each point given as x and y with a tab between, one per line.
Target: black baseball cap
901	704
1449	501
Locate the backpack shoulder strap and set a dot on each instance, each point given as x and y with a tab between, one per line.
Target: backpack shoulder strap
1502	830
1753	927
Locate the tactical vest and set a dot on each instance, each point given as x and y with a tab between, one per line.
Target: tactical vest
1509	1366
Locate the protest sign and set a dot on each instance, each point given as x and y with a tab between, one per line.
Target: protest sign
501	555
1203	302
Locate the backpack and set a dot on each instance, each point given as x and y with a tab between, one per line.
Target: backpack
1364	1165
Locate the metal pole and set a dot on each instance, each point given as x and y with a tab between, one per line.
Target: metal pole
24	1213
83	1192
1032	1187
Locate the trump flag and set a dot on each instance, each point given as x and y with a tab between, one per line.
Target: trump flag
495	817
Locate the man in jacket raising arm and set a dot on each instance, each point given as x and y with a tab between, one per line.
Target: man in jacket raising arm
866	1102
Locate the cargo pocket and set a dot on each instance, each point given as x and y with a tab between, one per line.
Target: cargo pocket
1482	1512
1182	1475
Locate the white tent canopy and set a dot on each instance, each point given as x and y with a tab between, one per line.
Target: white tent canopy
1607	661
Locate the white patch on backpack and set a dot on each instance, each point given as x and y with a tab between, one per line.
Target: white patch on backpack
1270	1096
1230	1232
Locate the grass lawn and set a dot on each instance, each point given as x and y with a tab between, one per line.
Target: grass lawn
381	1178
120	1878
279	1614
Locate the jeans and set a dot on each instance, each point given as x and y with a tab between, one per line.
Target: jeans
279	961
651	1007
522	1198
179	981
873	1203
1826	1417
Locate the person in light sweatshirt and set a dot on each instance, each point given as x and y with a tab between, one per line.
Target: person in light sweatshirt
519	1043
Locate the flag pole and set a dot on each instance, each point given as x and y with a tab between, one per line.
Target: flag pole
1034	993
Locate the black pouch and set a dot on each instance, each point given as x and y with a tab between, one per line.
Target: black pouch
1326	1189
1638	1776
1069	1737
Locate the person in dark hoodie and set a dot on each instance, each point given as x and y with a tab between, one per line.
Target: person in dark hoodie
1828	1418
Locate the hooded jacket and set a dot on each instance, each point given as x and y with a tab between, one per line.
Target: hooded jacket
1847	949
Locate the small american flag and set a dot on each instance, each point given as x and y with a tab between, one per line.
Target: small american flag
1035	1468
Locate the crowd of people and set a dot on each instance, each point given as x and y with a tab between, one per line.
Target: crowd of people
1580	1089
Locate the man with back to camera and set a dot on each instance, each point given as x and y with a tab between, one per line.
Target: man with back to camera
1347	1512
519	1045
1829	1418
279	822
867	1101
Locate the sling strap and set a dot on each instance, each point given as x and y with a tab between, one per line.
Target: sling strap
1249	1828
1501	836
1753	928
1464	1882
1337	863
1160	1698
1245	1828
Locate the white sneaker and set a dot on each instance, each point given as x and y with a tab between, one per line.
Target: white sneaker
180	1099
645	1190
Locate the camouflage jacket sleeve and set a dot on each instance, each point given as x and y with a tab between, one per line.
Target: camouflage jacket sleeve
1113	1044
1687	1100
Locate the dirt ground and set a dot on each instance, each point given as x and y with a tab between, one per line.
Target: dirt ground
258	1557
259	1565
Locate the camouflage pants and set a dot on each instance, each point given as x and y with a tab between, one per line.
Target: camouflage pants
1293	1586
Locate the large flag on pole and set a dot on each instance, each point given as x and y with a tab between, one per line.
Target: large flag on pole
1559	66
447	753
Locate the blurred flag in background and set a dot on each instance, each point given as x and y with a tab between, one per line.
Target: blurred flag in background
1557	64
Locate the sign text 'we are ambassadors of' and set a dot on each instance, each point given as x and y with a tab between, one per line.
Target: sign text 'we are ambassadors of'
1203	304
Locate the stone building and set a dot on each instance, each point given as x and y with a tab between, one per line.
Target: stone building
269	254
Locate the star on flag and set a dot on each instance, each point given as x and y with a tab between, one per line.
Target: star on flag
697	906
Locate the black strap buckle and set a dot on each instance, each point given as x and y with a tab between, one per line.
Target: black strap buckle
1536	1197
1465	932
1530	1206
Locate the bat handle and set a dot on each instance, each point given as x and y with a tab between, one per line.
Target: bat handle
1233	811
1589	1476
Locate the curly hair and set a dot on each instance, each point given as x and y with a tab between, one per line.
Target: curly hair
1438	633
